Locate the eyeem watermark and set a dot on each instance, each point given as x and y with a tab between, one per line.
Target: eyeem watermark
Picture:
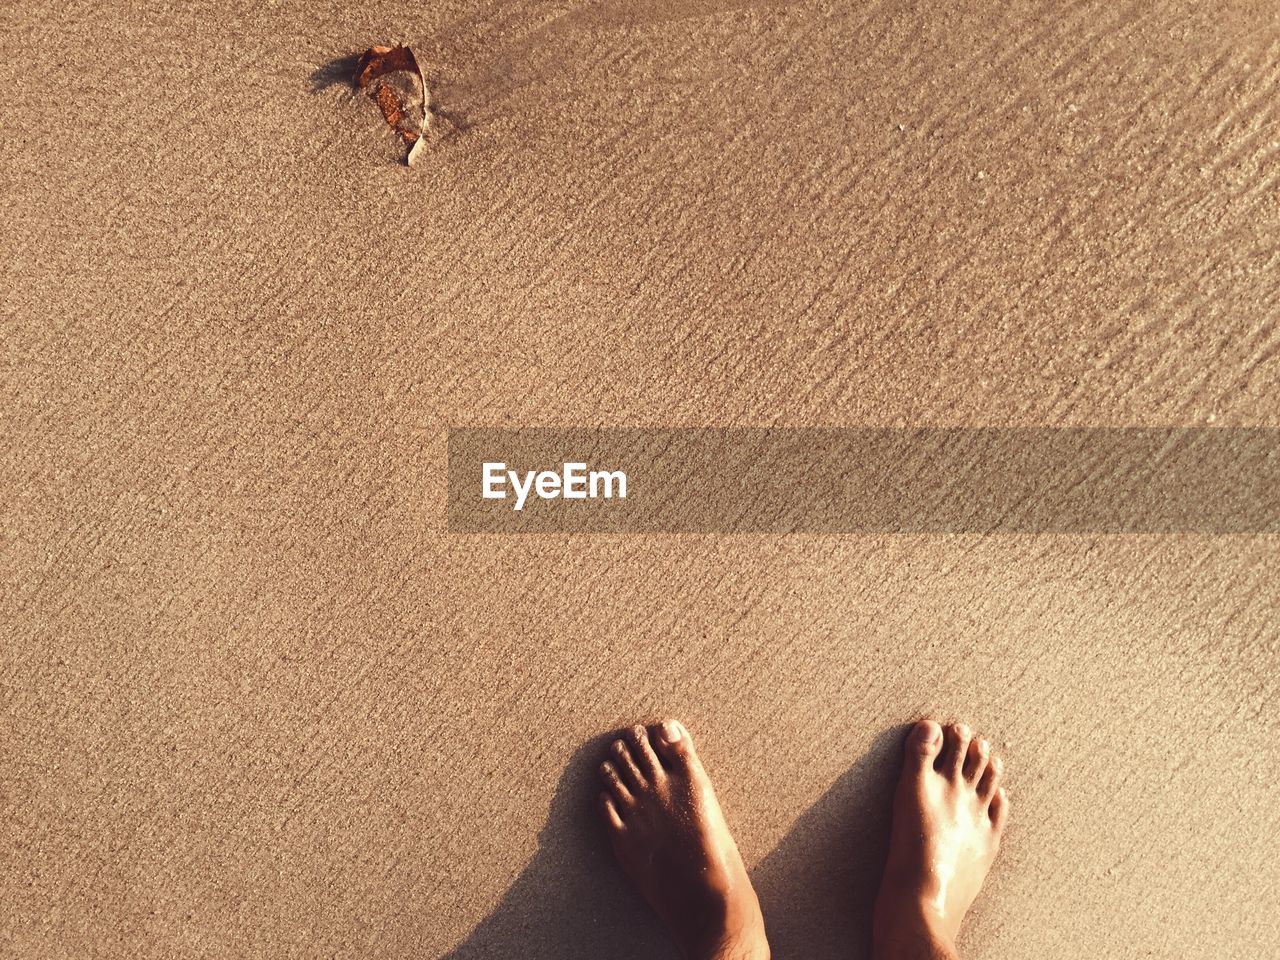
919	480
573	482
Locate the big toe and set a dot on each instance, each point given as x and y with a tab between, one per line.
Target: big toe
922	746
675	746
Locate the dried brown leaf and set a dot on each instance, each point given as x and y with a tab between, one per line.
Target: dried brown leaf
371	69
377	61
389	101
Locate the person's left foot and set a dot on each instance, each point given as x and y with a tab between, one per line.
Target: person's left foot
672	841
949	814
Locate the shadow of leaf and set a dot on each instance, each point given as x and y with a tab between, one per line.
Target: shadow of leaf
339	72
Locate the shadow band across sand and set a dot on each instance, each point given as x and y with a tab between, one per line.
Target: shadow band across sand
816	887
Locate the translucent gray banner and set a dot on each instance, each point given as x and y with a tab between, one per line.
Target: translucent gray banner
861	480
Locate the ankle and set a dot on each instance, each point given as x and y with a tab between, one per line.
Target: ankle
906	924
738	937
748	948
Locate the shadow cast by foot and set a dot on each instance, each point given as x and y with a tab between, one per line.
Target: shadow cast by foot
571	902
816	887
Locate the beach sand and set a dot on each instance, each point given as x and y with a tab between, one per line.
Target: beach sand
258	701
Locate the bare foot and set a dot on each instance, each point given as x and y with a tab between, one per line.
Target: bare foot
948	816
671	839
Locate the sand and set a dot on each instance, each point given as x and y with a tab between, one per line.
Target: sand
259	701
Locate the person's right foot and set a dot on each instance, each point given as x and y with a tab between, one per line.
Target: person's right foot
948	816
669	835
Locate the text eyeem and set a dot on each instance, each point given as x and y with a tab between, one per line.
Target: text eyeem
573	482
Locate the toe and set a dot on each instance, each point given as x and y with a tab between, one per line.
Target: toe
1000	809
951	761
975	760
642	750
923	743
613	783
990	782
609	811
675	746
622	759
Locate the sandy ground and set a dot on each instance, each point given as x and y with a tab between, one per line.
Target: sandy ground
257	701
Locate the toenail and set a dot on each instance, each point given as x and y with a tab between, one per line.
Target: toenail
671	731
619	747
982	746
962	731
